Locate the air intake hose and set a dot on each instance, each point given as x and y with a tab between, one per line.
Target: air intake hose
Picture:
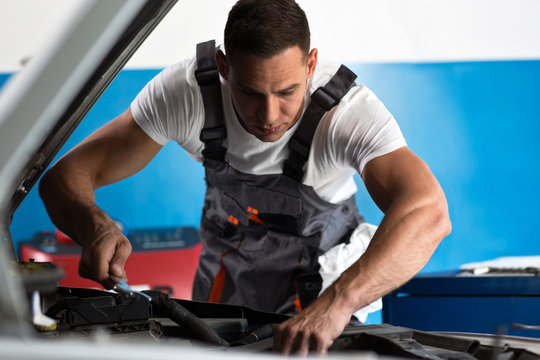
183	317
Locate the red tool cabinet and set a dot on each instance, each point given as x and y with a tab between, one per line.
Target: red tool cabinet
162	258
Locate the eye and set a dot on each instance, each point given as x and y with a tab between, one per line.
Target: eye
287	92
249	93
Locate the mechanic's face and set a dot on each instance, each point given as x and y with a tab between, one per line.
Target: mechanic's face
268	93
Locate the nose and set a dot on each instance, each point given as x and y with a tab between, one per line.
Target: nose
269	111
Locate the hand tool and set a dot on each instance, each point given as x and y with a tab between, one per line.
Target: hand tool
123	288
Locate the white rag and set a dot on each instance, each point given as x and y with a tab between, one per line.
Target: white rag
339	258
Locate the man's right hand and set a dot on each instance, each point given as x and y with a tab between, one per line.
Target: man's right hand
103	257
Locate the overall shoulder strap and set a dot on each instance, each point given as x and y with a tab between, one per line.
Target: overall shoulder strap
322	100
207	75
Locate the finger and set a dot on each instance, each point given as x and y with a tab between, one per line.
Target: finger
317	344
284	338
300	346
294	341
118	260
112	280
87	265
85	271
278	338
116	279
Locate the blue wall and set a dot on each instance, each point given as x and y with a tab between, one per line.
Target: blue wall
474	123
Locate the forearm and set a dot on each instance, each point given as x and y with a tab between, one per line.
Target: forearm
405	240
117	150
67	191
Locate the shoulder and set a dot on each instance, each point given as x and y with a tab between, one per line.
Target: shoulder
358	102
173	85
358	107
170	105
359	128
178	76
323	73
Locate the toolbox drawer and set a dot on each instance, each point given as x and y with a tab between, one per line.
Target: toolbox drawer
446	302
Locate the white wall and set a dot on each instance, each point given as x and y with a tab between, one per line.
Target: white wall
343	30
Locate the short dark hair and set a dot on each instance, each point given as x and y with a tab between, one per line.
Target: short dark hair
266	27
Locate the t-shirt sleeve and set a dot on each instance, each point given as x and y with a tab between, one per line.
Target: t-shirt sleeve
168	107
365	129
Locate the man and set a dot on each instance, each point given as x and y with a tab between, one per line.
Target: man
279	169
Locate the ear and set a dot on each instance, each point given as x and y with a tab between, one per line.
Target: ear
221	60
312	62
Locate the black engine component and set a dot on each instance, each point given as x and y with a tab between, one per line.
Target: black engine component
236	327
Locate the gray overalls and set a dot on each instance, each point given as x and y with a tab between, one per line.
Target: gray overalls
263	234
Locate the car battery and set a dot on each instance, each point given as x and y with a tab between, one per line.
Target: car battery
163	259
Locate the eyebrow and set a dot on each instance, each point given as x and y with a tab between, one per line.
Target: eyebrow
281	91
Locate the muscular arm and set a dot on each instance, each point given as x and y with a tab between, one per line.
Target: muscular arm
416	220
116	151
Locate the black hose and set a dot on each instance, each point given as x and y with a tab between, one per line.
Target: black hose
184	317
257	335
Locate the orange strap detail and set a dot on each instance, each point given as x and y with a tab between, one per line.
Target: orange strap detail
297	304
256	219
297	300
233	220
253	215
219	280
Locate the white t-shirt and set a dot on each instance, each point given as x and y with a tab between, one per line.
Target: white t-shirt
358	129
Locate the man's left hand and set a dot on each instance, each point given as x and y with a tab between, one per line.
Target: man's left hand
312	330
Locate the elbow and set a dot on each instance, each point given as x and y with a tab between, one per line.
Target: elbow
448	225
54	179
46	183
443	224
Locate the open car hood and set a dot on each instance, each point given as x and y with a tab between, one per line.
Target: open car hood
42	105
